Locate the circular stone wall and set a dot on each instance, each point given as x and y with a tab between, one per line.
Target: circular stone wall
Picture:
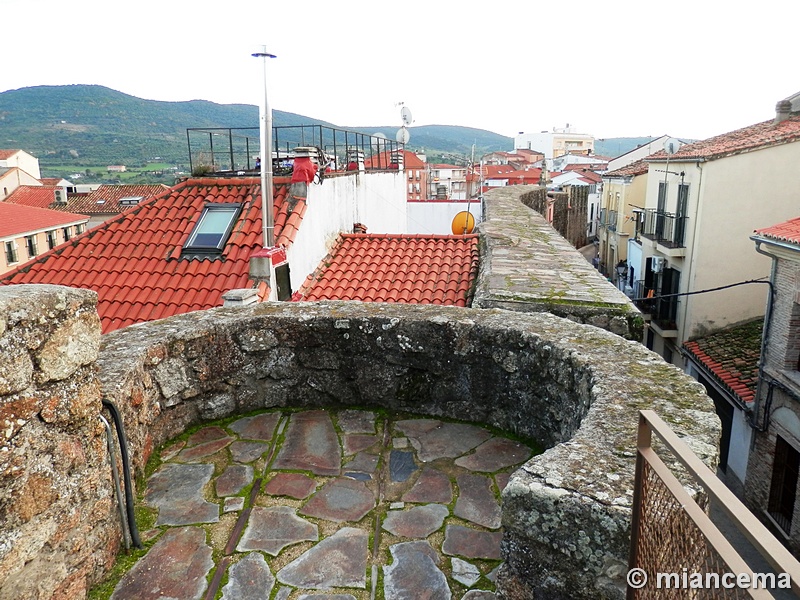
573	389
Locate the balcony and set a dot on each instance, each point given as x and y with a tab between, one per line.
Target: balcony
608	219
667	230
663	311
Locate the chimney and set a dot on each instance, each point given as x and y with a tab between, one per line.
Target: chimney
782	111
240	297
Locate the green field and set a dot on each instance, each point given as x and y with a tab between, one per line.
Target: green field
143	174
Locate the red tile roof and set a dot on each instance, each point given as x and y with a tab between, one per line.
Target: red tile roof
754	137
105	199
384	159
783	232
133	261
730	357
50	180
411	269
639	167
41	196
6	154
16	220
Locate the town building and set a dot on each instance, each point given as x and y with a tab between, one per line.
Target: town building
702	202
26	232
559	141
771	484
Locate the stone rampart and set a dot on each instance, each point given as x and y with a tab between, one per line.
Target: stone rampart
527	266
574	389
59	532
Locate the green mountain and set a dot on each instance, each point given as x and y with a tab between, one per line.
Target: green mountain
84	125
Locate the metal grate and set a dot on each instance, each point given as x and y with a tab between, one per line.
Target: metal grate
671	542
674	541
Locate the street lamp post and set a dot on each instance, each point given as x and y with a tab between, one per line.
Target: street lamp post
265	121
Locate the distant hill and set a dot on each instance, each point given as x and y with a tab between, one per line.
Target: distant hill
614	147
94	125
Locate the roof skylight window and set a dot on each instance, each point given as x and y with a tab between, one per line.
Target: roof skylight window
212	229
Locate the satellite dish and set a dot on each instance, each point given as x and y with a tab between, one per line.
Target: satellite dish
403	135
405	116
672	145
463	223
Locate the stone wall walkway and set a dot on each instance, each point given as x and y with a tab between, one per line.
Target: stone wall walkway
347	505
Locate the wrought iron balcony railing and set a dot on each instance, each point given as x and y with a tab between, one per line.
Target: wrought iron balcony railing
665	228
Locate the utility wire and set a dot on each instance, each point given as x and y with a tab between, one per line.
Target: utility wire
716	289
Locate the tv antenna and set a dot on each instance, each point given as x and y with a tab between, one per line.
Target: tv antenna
403	134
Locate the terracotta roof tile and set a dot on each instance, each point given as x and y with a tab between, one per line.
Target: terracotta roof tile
106	198
754	137
788	231
16	219
418	269
6	154
40	196
730	357
639	167
134	260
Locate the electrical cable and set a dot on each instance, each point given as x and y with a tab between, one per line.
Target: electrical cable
716	289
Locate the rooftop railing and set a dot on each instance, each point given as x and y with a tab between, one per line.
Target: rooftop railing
234	149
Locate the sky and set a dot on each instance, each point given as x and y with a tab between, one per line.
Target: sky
689	69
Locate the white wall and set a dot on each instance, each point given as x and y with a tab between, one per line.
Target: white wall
437	217
24	161
378	200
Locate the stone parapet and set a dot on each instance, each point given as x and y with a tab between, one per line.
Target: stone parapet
59	529
527	266
573	389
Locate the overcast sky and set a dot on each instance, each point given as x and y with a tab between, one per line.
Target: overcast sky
687	68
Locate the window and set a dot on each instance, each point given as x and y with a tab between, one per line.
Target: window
31	245
410	188
411	174
67	233
79	228
783	488
52	241
11	253
213	228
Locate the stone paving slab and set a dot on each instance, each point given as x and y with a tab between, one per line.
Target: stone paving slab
431	486
468	542
259	427
199	452
340	500
175	567
337	561
414	573
443	440
246	452
495	454
177	492
233	480
476	501
311	550
273	529
311	445
294	485
249	579
418	522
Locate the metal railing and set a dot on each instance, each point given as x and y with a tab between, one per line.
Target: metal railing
665	228
608	219
664	311
233	149
671	532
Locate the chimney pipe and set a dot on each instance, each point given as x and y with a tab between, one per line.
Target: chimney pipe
782	111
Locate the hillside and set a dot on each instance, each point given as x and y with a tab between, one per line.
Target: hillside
84	125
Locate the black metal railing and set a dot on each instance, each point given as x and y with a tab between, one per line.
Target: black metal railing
665	228
663	310
233	149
